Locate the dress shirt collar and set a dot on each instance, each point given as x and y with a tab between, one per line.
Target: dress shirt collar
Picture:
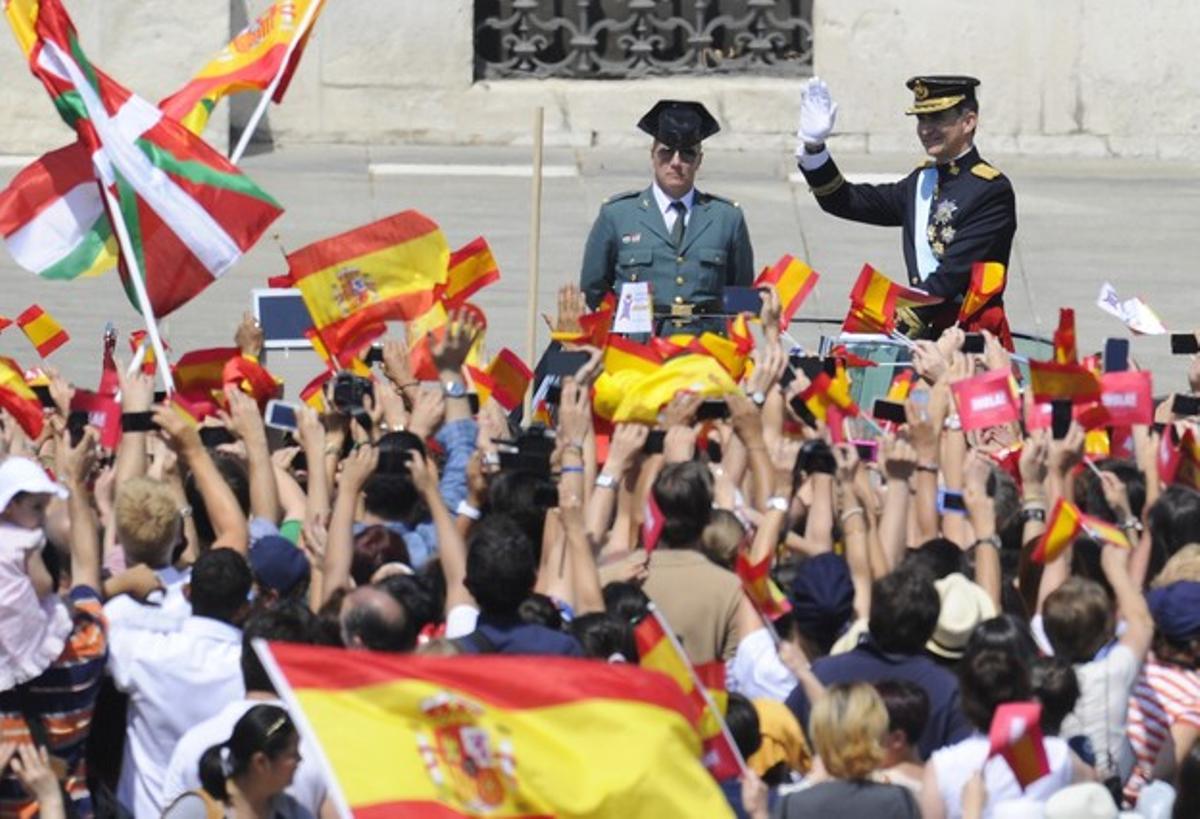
664	202
213	629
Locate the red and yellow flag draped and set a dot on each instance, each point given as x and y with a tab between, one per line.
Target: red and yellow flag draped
793	280
18	399
875	299
1051	379
472	268
1066	523
506	379
44	333
1066	347
495	736
760	587
385	270
987	280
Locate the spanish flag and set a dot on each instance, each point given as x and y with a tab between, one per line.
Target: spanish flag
901	386
272	43
199	372
349	357
472	268
1051	380
313	393
139	339
1062	528
385	270
987	281
506	379
44	333
875	299
428	328
738	330
1016	735
756	579
727	352
825	392
18	399
252	378
793	280
692	373
1066	347
494	736
624	354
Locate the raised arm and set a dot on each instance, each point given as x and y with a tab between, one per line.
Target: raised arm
339	553
245	421
75	464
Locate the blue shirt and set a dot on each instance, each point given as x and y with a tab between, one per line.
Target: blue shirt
868	663
457	440
509	635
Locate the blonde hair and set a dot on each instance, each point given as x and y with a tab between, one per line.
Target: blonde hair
847	728
1183	565
146	515
721	538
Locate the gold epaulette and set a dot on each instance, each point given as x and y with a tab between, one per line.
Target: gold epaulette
984	171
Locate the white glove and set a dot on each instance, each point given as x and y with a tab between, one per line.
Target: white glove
818	113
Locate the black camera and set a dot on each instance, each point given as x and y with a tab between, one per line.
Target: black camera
349	390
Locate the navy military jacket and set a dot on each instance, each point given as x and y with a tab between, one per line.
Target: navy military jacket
972	218
630	242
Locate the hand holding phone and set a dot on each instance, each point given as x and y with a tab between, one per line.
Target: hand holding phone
1184	344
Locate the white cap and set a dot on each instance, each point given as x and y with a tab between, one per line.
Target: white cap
23	475
1087	800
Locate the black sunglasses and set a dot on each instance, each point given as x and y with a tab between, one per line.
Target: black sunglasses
688	155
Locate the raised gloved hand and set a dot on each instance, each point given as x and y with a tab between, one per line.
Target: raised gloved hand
818	113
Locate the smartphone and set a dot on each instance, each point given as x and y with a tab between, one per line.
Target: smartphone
374	355
283	316
138	422
712	449
76	422
565	362
654	442
280	415
43	394
215	436
160	396
300	462
892	411
742	300
1116	355
1185	406
816	458
810	365
867	450
1060	419
1184	344
349	391
712	409
973	344
948	502
803	412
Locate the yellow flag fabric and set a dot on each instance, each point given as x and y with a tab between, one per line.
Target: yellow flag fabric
496	736
699	374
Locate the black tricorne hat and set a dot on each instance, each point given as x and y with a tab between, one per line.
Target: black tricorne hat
940	92
679	123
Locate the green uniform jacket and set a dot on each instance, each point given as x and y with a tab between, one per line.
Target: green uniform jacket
630	242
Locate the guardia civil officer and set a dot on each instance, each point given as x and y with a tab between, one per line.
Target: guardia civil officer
955	209
686	243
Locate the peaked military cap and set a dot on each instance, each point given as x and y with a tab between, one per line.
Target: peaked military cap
679	123
935	93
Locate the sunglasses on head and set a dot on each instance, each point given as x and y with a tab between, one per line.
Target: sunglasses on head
688	155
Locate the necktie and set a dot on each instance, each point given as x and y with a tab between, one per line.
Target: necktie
677	229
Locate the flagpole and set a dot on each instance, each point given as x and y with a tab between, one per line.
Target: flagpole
700	686
535	232
252	126
139	287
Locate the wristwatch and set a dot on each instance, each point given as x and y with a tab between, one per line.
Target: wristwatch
777	503
993	540
1037	513
454	389
605	481
758	397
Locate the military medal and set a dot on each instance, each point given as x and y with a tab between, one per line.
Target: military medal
945	212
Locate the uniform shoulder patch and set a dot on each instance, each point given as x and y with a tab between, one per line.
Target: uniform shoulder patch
928	163
716	198
617	197
985	171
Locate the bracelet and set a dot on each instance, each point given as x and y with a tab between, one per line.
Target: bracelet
573	445
409	384
849	513
1033	513
466	510
928	468
567	470
1132	524
992	540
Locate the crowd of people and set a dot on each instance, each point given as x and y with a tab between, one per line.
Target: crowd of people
133	581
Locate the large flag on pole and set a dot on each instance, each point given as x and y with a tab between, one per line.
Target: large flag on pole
250	62
494	736
189	213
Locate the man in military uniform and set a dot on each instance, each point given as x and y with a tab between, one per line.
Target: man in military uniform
955	209
687	244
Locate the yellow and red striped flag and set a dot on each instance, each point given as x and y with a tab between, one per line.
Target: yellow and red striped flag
139	339
987	281
249	62
1062	528
1016	735
44	333
825	392
738	330
251	378
901	386
623	354
760	587
495	736
728	353
313	393
472	268
698	374
793	280
1051	380
199	372
388	269
1066	346
660	650
18	399
506	379
875	299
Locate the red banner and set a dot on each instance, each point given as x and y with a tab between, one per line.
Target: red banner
986	400
1127	397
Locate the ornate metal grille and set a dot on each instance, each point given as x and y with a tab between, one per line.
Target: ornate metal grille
615	39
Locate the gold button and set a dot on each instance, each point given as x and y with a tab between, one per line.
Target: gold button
679	259
679	280
633	277
679	299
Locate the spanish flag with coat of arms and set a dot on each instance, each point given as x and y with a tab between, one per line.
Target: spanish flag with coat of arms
496	736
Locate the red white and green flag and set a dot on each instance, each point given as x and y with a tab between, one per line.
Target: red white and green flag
190	214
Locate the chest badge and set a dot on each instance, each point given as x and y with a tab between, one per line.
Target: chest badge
631	238
945	212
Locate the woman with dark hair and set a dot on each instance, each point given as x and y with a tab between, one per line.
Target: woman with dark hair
245	777
994	670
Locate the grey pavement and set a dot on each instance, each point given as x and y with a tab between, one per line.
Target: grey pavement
1081	223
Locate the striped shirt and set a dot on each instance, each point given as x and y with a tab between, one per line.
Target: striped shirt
1162	696
64	695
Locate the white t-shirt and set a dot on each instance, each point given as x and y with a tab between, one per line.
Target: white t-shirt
461	621
1104	687
756	670
183	772
957	763
163	611
174	681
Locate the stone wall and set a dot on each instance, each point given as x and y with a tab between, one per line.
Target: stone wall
1069	77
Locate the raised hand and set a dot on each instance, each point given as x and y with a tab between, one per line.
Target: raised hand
818	113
